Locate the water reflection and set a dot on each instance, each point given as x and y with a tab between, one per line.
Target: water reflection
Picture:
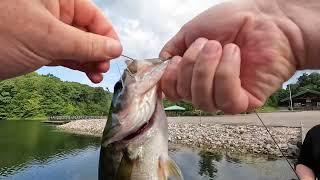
34	151
27	142
204	165
232	159
207	163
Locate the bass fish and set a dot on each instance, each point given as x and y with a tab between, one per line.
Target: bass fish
135	139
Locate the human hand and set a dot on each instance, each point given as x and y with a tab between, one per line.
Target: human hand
232	56
69	33
305	173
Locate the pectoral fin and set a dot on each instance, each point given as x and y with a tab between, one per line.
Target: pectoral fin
169	170
125	169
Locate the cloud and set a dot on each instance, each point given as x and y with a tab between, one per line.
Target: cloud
144	26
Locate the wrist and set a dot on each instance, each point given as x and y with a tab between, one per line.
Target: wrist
283	14
305	37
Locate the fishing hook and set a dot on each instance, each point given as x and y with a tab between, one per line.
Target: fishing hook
130	73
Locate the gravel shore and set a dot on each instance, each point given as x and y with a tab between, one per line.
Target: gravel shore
251	139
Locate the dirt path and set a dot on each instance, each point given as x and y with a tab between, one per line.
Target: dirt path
287	119
307	119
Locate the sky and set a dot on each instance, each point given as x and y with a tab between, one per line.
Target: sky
144	26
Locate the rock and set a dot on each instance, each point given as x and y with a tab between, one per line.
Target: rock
242	138
268	146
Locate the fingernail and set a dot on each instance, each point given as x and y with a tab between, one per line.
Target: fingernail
235	49
114	48
175	60
211	47
165	55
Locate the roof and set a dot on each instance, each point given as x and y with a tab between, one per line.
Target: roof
175	108
301	93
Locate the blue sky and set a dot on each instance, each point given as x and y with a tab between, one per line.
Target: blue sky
144	27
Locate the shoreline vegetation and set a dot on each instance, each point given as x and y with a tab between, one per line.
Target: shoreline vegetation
38	97
242	139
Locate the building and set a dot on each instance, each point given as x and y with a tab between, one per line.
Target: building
305	100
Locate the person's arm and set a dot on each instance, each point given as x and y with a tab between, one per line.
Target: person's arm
304	172
305	14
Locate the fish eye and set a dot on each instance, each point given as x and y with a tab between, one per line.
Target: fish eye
118	87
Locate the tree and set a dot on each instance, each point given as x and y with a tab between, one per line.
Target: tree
35	95
207	164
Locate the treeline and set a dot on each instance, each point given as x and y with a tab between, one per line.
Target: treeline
40	96
305	82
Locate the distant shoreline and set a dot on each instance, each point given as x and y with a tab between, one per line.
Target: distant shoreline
237	138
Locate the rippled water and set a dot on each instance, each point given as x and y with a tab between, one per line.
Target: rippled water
35	151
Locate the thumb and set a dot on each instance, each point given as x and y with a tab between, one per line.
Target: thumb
175	46
72	43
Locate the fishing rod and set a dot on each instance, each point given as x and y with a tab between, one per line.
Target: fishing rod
274	140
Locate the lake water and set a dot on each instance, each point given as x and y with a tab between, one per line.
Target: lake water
35	151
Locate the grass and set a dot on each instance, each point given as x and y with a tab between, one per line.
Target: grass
29	119
267	109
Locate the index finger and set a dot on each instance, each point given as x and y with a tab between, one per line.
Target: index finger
89	16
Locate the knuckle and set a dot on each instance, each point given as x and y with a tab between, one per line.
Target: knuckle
189	58
204	106
170	94
200	73
182	92
90	46
223	73
167	79
186	27
232	107
184	87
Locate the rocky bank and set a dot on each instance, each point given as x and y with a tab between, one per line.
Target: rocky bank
235	138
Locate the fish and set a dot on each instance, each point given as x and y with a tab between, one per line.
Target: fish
134	144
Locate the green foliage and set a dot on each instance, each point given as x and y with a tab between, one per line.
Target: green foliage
207	165
39	96
266	109
305	81
190	110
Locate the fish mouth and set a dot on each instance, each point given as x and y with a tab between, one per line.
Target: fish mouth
144	128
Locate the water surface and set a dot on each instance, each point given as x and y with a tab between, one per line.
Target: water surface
32	150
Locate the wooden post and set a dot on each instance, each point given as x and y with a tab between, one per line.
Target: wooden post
291	109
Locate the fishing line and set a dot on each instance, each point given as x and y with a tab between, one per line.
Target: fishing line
276	144
130	73
120	75
127	57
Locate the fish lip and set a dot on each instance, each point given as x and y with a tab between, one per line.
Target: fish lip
140	132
